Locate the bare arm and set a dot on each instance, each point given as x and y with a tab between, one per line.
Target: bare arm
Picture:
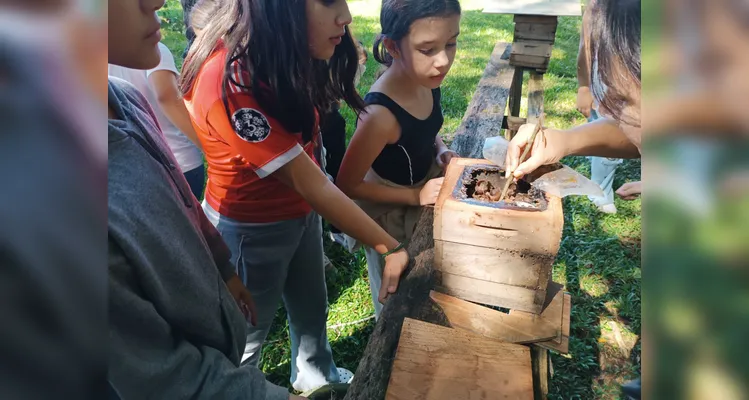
164	84
583	56
602	138
376	128
307	179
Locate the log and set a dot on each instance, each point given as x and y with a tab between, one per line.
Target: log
410	301
485	113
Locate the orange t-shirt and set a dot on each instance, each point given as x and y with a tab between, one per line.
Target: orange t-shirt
244	152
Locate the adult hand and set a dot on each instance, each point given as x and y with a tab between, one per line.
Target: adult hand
294	397
584	101
429	193
243	298
395	264
630	190
545	149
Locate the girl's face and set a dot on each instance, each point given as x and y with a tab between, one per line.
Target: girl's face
428	51
326	22
134	33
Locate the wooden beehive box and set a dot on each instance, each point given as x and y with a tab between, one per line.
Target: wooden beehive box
496	253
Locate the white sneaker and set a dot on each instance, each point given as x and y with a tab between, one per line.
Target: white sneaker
346	376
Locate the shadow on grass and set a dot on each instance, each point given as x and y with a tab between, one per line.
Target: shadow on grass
601	271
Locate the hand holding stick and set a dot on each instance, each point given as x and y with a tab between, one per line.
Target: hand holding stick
527	149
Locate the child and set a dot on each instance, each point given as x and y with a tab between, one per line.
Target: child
396	153
602	169
175	328
159	85
254	84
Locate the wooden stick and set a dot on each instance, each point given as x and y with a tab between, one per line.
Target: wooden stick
525	153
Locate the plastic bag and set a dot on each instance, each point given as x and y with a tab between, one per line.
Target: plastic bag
558	180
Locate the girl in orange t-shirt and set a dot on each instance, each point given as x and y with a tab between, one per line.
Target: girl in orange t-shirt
254	81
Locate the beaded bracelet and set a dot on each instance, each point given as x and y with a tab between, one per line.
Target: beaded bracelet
399	247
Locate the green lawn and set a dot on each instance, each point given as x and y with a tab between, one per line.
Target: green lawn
599	259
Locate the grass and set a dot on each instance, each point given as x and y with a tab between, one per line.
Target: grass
599	258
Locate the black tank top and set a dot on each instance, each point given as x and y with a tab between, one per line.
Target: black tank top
408	161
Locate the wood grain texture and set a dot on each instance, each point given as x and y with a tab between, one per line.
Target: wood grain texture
484	321
485	113
437	363
570	8
412	301
495	294
561	344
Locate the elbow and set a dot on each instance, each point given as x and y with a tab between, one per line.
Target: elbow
168	98
347	188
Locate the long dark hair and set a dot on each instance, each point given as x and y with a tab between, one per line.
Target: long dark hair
397	16
268	38
614	40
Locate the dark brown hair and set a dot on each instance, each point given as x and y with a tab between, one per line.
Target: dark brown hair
614	42
268	38
397	16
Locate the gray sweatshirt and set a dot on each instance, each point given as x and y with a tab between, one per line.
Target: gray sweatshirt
175	331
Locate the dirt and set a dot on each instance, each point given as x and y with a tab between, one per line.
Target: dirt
485	184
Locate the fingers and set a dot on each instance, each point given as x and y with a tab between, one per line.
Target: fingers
517	146
630	190
389	283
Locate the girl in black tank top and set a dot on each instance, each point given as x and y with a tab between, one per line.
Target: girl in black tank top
392	163
407	161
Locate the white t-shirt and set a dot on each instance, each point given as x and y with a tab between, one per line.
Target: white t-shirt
187	154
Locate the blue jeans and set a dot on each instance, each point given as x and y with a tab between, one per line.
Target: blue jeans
602	172
284	261
196	179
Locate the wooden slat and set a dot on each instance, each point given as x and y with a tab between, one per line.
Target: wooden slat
563	346
495	294
535	97
437	363
540	369
485	113
518	328
528	48
543	32
488	264
553	310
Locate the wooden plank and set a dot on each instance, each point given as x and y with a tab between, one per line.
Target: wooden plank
488	264
563	346
542	32
518	328
540	368
553	309
536	19
437	363
569	8
528	48
483	118
535	97
491	293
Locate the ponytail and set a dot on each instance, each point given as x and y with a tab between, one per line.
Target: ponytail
380	53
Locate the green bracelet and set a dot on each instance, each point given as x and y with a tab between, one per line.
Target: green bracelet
399	247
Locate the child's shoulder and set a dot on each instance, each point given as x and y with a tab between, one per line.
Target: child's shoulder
125	91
